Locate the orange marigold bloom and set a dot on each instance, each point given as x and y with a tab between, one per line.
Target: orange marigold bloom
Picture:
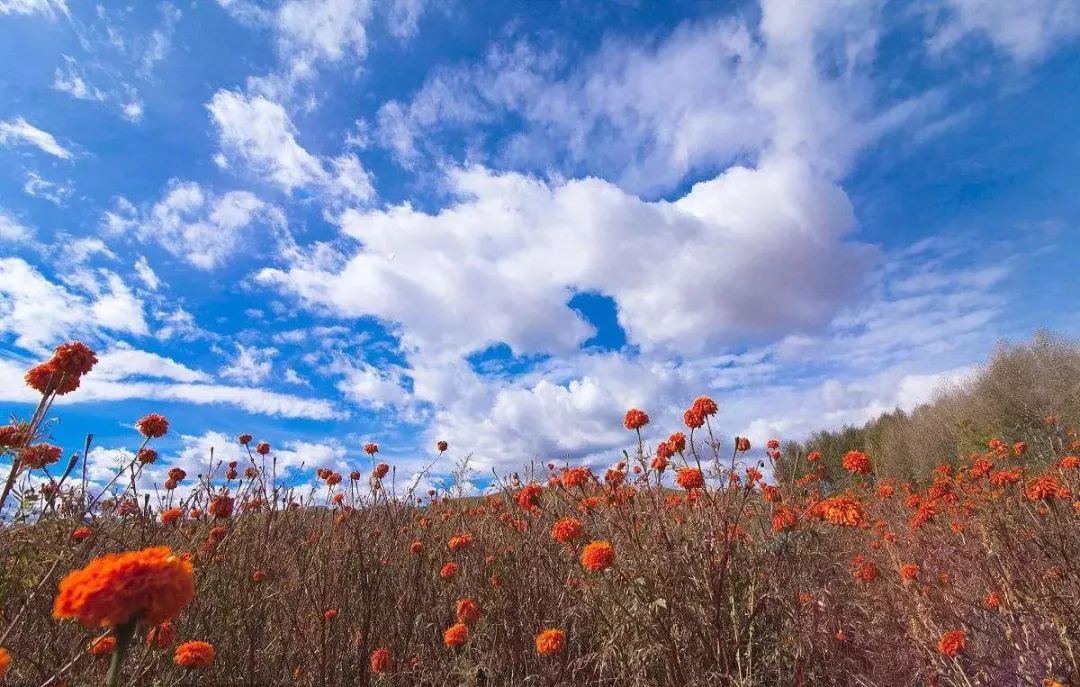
416	548
152	585
194	654
177	474
467	611
74	358
550	642
460	542
152	426
742	444
1044	488
371	449
705	405
146	456
244	439
262	448
886	490
909	571
992	601
864	571
566	530
635	419
677	441
380	471
659	463
575	477
382	661
772	444
5	662
952	643
449	571
456	635
329	614
664	450
813	456
1019	448
161	636
441	446
857	463
693	418
102	646
844	510
530	495
1070	462
39	455
597	556
221	507
171	515
690	478
784	518
82	532
14	435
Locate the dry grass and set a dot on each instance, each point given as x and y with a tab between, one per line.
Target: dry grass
707	587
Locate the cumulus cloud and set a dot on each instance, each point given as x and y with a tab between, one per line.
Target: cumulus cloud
251	365
39	313
258	132
18	130
198	226
1026	31
12	230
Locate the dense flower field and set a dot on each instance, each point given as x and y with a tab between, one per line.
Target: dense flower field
691	562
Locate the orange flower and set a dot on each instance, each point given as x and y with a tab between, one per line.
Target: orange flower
1070	462
152	426
416	548
449	571
992	601
460	542
857	463
952	643
194	654
772	444
1044	488
382	661
635	419
864	571
550	641
102	646
529	496
843	510
146	456
39	455
161	636
677	441
380	471
258	576
690	478
5	662
693	418
329	614
456	635
813	456
909	571
575	477
151	585
705	405
441	446
468	612
171	515
221	507
784	518
371	449
742	444
597	556
262	448
566	530
81	533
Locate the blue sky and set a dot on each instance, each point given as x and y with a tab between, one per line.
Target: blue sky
332	221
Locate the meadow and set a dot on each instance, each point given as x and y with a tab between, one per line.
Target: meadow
926	548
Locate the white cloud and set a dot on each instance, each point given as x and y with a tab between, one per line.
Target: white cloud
314	31
1027	31
70	79
251	365
47	7
259	133
39	313
78	251
12	230
121	361
56	194
18	130
404	17
160	40
367	385
200	228
133	111
146	274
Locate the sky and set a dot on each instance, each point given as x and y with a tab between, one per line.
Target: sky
327	222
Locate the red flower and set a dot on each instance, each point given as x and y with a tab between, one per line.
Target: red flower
81	533
550	642
813	456
73	359
177	474
677	441
13	436
705	405
772	444
690	478
380	470
39	455
221	507
456	635
194	655
857	463
742	444
244	439
371	449
597	556
441	446
152	426
635	419
529	496
909	571
468	612
146	456
382	661
693	418
460	542
161	636
784	518
953	643
566	530
416	548
448	571
262	448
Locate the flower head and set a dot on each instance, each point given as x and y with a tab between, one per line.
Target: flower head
693	418
5	662
39	455
566	530
742	444
102	646
380	470
244	439
152	426
262	448
456	635
151	585
146	456
448	571
597	556
550	642
529	496
382	661
82	533
468	612
194	655
857	463
677	441
441	446
371	449
161	636
690	478
952	643
635	419
460	542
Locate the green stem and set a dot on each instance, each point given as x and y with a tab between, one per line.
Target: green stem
123	634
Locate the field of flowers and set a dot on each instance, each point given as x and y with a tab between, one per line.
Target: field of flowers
693	561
